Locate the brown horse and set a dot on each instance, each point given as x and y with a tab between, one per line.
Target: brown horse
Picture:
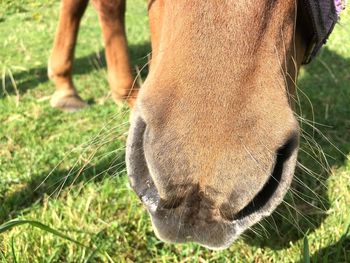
213	140
111	16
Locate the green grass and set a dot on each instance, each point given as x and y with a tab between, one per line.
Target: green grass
87	196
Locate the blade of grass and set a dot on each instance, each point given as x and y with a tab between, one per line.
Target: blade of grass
13	223
306	252
13	250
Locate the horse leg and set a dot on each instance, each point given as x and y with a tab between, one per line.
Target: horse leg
112	20
62	55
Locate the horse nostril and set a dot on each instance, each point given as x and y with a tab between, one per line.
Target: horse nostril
227	212
283	155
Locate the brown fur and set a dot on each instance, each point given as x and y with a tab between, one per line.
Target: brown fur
111	16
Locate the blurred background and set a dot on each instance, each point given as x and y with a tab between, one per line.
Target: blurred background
67	171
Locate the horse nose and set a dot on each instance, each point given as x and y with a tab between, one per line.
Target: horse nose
280	175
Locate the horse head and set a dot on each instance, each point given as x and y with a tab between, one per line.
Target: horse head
213	140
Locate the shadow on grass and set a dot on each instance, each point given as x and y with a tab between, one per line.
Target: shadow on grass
44	185
30	79
326	83
338	252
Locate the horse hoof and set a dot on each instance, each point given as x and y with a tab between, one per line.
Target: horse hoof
67	102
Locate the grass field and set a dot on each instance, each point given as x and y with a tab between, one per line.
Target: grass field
67	171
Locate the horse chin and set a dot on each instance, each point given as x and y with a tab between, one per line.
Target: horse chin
214	236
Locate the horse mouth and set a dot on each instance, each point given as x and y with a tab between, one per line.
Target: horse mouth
179	223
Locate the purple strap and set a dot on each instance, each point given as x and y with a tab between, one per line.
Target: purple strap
339	6
322	16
